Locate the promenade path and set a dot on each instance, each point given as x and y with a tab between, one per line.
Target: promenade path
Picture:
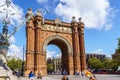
73	77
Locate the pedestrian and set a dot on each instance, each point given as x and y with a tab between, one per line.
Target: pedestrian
31	75
39	75
88	73
92	78
65	77
82	73
64	72
79	73
76	73
17	74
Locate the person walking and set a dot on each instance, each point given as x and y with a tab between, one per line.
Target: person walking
76	73
82	73
64	72
31	75
39	75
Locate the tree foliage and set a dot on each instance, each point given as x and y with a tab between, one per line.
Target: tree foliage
15	65
95	63
107	63
50	67
114	65
116	58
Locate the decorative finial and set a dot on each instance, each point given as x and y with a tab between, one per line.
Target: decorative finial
57	21
38	13
73	19
80	20
30	11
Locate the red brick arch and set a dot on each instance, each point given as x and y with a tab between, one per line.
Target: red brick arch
69	37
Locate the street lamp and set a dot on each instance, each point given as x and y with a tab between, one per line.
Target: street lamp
53	65
23	63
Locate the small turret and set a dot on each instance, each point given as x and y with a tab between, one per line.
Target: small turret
38	13
73	19
29	15
38	19
30	11
74	22
80	23
57	22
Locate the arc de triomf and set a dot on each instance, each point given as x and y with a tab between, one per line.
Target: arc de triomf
69	37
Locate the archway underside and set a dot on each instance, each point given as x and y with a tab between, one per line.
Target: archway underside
67	64
64	53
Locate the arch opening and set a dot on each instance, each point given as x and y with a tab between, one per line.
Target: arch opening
64	51
53	59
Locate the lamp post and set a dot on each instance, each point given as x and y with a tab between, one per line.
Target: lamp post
23	63
53	65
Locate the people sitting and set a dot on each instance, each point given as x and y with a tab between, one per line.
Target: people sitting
92	78
65	77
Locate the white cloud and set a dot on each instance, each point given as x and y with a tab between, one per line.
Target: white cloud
15	19
51	53
15	50
42	1
98	51
12	39
58	55
94	13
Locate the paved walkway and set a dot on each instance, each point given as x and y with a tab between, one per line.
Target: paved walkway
59	77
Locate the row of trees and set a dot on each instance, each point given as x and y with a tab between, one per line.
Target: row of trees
107	63
15	64
93	63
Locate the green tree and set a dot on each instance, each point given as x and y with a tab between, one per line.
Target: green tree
95	63
15	64
50	67
114	64
107	63
116	57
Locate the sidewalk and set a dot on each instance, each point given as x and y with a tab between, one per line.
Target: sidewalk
43	78
73	77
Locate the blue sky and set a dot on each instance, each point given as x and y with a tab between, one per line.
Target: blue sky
101	18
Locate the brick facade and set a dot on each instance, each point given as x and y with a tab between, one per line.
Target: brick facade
69	37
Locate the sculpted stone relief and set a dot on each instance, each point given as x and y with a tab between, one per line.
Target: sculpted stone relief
56	28
82	30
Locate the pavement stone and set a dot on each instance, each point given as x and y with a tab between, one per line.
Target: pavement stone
73	77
